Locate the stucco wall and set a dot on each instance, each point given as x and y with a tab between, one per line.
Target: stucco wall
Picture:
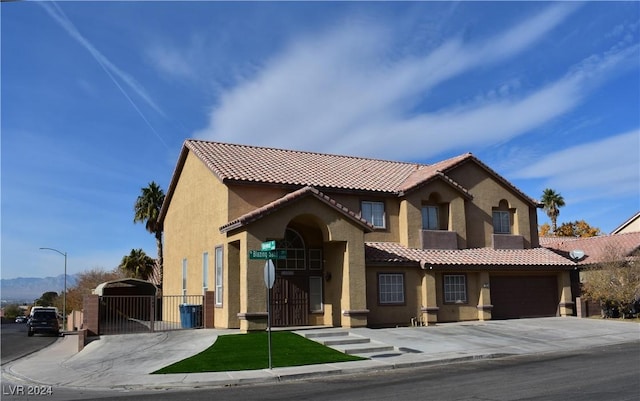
394	315
487	193
451	312
411	216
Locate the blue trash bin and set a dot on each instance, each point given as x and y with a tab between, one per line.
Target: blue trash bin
186	316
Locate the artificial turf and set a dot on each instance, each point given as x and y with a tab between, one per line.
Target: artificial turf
250	351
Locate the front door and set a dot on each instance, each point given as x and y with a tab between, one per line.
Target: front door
290	300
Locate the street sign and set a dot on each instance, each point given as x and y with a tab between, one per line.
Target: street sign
269	273
275	254
268	246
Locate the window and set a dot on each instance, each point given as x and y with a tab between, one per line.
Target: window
294	245
218	266
315	259
501	222
455	288
315	294
373	212
391	288
184	280
205	272
430	218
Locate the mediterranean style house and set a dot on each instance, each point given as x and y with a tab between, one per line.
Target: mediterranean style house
364	242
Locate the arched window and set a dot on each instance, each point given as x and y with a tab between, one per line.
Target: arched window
294	245
502	218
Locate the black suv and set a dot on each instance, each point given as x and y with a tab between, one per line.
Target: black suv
43	321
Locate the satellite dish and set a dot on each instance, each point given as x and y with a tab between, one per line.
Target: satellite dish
576	254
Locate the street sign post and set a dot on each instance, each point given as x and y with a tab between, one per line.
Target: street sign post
269	252
269	279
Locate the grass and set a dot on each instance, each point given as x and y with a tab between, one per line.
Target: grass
250	351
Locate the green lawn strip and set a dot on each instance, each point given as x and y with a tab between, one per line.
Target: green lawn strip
250	351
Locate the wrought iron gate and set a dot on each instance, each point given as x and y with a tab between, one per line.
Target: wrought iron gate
124	314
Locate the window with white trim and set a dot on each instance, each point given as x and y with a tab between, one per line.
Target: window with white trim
501	222
205	272
293	243
315	293
373	212
455	288
430	218
218	266
390	288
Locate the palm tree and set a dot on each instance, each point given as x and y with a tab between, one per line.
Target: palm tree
551	202
137	264
147	210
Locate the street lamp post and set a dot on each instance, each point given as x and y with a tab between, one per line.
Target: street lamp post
64	294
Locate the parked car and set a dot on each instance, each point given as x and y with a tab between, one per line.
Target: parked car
43	321
21	319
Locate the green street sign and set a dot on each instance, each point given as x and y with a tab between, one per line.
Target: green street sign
268	246
275	254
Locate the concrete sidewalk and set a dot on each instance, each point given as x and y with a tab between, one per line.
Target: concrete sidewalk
126	361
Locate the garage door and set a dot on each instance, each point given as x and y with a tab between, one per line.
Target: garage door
523	296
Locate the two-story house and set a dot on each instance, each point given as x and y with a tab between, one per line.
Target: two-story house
367	242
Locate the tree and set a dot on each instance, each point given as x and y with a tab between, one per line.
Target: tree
147	210
11	311
86	283
544	230
614	283
137	265
48	298
579	228
551	202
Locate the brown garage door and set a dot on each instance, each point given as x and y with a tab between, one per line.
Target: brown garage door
523	296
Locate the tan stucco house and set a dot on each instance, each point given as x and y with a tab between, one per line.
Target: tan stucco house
367	242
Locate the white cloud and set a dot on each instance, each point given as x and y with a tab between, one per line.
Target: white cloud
331	93
604	169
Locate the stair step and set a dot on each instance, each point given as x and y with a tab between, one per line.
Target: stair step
320	334
370	348
346	341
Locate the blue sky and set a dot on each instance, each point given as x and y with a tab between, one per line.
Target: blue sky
98	97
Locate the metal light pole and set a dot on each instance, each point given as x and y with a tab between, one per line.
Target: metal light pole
64	294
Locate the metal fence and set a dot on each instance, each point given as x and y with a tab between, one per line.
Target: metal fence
123	314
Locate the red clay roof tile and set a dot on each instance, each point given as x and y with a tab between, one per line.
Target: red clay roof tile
394	252
596	249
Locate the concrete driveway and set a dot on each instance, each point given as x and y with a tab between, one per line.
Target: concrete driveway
126	361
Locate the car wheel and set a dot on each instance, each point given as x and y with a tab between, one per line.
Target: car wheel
30	333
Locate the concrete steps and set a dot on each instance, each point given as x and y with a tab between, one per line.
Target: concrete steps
348	343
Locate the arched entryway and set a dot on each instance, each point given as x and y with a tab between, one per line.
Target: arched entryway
297	292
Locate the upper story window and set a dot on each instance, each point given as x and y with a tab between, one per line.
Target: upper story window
502	218
501	222
430	218
373	212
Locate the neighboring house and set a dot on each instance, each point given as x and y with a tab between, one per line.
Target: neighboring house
629	226
592	252
368	242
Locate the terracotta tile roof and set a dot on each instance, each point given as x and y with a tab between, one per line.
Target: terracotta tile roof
271	207
596	249
391	252
278	166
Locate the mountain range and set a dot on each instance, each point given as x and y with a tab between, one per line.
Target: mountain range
26	289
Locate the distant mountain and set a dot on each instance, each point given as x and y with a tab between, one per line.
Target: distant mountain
30	288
